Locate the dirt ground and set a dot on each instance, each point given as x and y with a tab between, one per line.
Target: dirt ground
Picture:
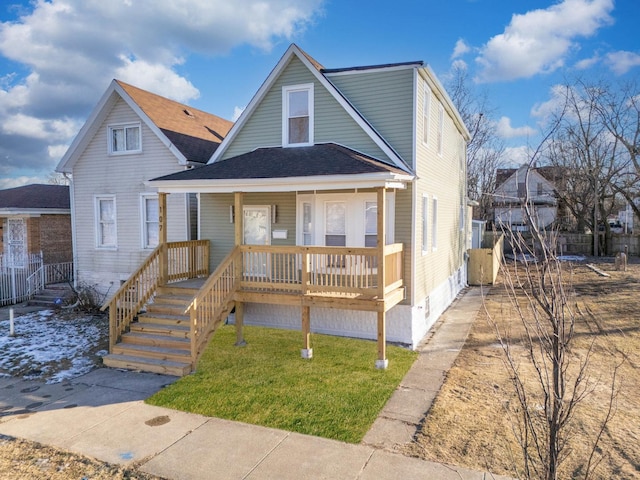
22	460
470	425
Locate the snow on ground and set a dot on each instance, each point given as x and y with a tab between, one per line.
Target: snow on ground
52	346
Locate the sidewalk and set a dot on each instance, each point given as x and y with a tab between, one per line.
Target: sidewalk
102	415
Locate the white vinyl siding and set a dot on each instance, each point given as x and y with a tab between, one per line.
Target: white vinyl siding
124	176
426	109
434	224
105	221
297	115
150	225
124	139
440	129
425	224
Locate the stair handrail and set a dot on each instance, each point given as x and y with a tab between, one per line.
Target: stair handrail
212	300
133	294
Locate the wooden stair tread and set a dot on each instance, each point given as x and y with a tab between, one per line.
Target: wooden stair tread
155	349
164	316
147	364
151	337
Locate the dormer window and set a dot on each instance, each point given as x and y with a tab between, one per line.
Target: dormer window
297	115
124	139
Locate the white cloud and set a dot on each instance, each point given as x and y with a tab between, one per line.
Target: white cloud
587	63
460	49
71	49
237	111
516	156
540	40
621	62
546	110
505	130
12	182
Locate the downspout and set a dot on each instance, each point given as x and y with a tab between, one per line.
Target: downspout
74	248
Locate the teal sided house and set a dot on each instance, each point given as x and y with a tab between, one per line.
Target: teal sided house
335	204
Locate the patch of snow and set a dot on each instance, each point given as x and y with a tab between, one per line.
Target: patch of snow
52	346
572	258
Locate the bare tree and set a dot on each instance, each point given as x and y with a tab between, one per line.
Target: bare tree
583	148
485	149
540	292
56	178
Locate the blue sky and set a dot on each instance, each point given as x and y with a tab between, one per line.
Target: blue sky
57	57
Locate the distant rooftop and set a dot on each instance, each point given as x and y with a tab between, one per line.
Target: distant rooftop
35	196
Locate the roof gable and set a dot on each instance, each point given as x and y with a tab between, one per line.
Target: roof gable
190	134
316	71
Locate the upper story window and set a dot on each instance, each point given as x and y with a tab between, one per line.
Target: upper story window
124	139
297	115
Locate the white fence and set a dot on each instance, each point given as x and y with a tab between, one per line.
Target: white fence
18	283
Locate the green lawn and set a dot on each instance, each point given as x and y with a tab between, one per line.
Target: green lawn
337	394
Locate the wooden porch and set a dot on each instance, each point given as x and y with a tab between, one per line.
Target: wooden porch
184	304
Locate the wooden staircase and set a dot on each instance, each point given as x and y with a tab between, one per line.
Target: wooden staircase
159	341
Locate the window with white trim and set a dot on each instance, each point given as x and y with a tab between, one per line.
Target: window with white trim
105	218
425	223
370	224
125	139
150	215
297	115
335	224
426	109
440	129
434	224
307	223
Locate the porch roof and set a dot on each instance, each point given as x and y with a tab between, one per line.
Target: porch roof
324	166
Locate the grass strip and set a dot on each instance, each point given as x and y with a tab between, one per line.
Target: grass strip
337	394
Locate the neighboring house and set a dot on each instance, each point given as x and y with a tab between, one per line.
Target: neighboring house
335	204
539	186
35	240
35	220
131	136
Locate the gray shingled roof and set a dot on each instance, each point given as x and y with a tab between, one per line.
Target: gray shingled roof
36	196
278	162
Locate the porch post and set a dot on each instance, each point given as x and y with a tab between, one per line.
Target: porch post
239	230
238	217
162	238
307	351
382	361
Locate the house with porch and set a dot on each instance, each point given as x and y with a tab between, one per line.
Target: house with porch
335	204
131	136
535	187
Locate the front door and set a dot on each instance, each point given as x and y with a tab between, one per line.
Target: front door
17	242
257	231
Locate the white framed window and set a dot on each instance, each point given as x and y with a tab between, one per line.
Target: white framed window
149	216
440	129
370	224
307	223
426	109
105	221
335	224
124	139
434	224
425	223
297	115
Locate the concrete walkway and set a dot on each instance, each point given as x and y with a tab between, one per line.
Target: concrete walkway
102	415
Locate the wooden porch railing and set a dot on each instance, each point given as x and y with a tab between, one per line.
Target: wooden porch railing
293	270
169	262
212	300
